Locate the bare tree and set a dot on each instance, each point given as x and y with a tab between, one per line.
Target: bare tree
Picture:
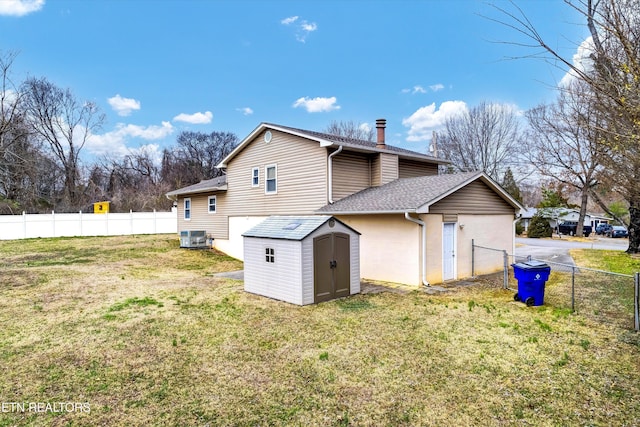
350	129
196	156
484	138
612	74
134	182
64	124
565	143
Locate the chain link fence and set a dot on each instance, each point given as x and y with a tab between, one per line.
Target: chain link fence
602	295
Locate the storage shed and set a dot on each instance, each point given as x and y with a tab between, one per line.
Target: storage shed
302	259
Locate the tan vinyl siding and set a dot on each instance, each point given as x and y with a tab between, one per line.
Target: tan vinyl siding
214	224
351	174
412	169
384	169
301	177
388	167
475	198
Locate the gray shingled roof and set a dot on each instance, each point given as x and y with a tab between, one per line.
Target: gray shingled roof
288	227
215	184
401	195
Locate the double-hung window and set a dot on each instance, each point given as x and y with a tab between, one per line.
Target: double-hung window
212	204
255	177
187	208
271	179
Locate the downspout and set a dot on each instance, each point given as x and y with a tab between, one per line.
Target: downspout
330	167
513	250
424	246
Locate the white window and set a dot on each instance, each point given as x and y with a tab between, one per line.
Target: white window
270	255
271	179
187	208
212	204
255	177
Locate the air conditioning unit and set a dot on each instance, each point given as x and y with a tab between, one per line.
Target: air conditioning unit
193	239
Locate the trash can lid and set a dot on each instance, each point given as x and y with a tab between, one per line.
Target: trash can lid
532	265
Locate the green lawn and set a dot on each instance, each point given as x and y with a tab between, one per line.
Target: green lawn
143	334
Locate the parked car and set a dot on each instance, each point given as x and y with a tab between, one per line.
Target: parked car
601	229
570	227
617	231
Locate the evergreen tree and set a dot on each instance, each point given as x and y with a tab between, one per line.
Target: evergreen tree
509	184
539	227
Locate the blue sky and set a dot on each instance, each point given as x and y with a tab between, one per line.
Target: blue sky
158	67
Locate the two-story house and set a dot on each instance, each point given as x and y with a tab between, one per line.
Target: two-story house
416	226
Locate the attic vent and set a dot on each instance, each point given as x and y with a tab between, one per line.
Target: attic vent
291	226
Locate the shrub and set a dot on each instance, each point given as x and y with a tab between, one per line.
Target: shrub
539	227
519	228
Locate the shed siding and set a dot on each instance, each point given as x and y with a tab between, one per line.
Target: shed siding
301	177
475	198
280	280
412	169
351	173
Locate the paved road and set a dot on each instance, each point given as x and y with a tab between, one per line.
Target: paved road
557	250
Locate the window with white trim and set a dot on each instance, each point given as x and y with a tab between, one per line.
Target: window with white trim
255	177
271	179
212	204
270	255
187	208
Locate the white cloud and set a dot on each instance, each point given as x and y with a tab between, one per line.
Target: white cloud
317	105
365	127
246	111
581	60
20	7
426	119
115	142
196	118
123	106
289	20
302	28
308	26
421	89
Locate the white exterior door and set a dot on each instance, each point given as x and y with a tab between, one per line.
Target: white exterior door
449	251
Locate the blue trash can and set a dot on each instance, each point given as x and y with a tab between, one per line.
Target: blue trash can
531	277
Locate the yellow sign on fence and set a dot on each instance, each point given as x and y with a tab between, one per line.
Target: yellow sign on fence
101	207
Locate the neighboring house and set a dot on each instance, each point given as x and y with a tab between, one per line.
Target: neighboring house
416	225
556	215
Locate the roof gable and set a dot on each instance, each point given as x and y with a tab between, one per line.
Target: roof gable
326	140
412	194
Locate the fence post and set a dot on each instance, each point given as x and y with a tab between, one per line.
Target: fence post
505	256
473	258
573	289
636	301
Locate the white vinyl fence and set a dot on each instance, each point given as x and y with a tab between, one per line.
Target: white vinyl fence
27	226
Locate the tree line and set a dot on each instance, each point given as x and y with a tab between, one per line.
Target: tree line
43	132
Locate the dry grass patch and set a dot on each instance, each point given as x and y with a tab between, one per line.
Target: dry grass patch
155	339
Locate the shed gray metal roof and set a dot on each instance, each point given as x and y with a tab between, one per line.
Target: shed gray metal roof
208	185
290	227
409	194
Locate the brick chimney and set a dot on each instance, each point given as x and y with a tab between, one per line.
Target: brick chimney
381	124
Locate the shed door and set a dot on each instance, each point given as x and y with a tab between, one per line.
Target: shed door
448	251
331	266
